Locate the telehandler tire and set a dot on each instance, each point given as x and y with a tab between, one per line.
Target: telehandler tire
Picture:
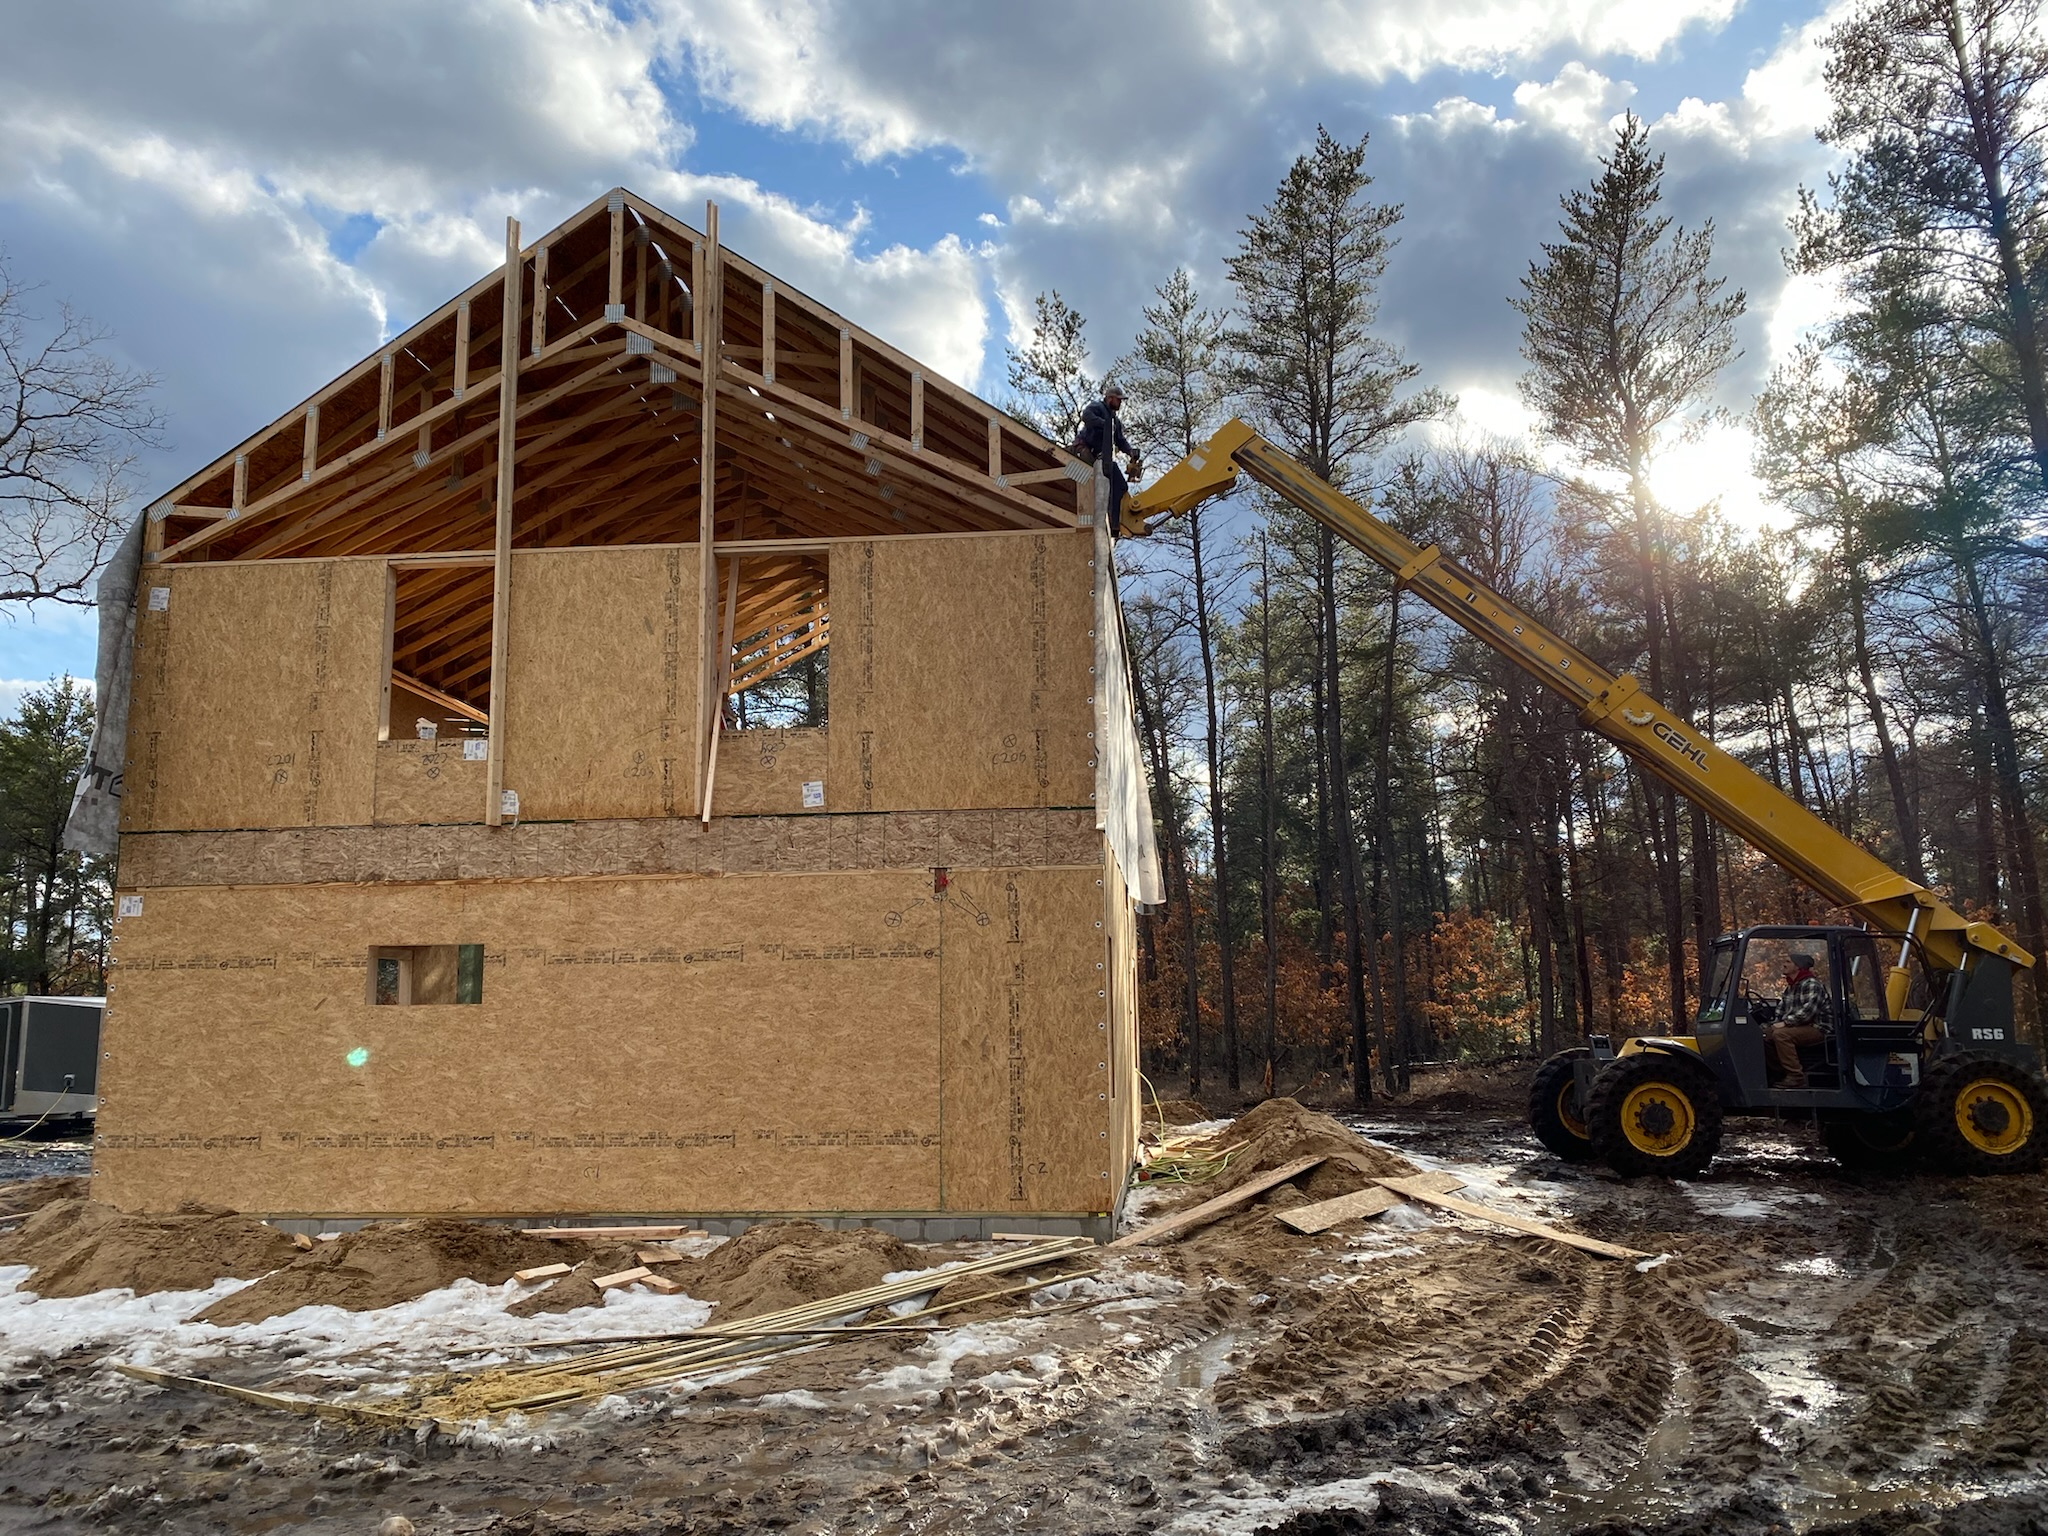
1982	1114
1654	1112
1554	1113
1873	1143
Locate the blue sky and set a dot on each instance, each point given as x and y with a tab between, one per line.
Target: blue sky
252	194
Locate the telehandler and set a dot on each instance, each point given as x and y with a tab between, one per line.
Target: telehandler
1921	1060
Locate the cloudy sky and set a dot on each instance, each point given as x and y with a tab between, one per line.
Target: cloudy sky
252	193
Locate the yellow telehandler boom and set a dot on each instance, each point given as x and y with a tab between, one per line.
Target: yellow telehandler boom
1615	706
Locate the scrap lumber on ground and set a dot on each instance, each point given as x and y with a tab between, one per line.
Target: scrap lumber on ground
1324	1214
1209	1210
1419	1189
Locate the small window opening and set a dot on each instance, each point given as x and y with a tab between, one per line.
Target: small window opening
440	685
781	664
426	974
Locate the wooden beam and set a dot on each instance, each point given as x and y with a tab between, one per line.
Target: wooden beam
240	496
540	304
310	458
461	348
768	331
916	410
845	374
615	275
709	323
501	574
995	448
1419	1189
428	691
1201	1215
384	398
732	605
390	638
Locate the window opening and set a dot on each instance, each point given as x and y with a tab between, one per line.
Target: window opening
426	974
440	684
781	626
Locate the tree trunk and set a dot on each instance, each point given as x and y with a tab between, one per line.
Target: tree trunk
1388	852
1226	962
1344	827
1905	816
1268	863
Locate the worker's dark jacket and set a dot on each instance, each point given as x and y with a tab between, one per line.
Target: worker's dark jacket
1100	428
1097	420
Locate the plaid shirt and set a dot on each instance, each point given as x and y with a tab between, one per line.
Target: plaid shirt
1804	1002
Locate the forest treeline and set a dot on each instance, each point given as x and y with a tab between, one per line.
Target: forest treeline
1384	844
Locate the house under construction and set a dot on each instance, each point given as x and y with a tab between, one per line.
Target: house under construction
496	838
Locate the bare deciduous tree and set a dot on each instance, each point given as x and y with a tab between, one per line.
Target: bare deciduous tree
71	419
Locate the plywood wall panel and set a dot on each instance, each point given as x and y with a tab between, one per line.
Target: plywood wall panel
601	683
763	772
428	781
1026	1042
257	691
764	1044
961	673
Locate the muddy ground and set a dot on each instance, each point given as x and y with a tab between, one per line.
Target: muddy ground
1820	1352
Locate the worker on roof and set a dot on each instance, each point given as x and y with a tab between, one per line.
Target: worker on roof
1802	1019
1099	438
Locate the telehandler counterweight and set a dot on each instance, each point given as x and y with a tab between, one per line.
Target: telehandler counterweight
1899	1074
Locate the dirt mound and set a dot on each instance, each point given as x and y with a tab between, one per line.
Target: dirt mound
1178	1112
578	1288
787	1263
22	1196
1280	1131
76	1247
385	1264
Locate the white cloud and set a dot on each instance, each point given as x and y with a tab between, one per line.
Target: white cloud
1579	102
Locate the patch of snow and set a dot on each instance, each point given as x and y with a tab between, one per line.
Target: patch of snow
1110	1284
1742	1202
1243	1514
1822	1265
942	1351
1646	1265
416	1335
797	1399
1370	1254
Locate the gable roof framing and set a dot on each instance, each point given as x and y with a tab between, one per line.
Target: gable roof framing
821	429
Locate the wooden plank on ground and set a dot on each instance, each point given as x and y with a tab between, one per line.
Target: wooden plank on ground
1209	1210
663	1284
291	1402
1441	1183
623	1277
660	1256
541	1272
1324	1214
1416	1189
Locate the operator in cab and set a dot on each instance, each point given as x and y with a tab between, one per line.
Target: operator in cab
1802	1019
1101	437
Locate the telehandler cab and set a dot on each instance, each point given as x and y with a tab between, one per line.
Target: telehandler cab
1919	1056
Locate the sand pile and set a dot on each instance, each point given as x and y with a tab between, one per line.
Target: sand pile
76	1247
19	1197
385	1264
787	1263
1280	1131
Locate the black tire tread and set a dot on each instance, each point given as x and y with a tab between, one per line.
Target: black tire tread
1943	1142
1626	1073
1845	1136
1544	1120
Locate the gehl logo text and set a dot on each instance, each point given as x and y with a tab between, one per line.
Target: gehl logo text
1693	752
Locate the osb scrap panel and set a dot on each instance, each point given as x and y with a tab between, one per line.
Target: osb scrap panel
601	682
765	1044
1026	1042
429	781
960	673
544	850
257	689
763	772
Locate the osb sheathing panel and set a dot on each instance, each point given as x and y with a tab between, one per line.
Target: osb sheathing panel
738	845
763	772
428	781
257	689
1026	1044
1120	922
960	673
601	682
767	1044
